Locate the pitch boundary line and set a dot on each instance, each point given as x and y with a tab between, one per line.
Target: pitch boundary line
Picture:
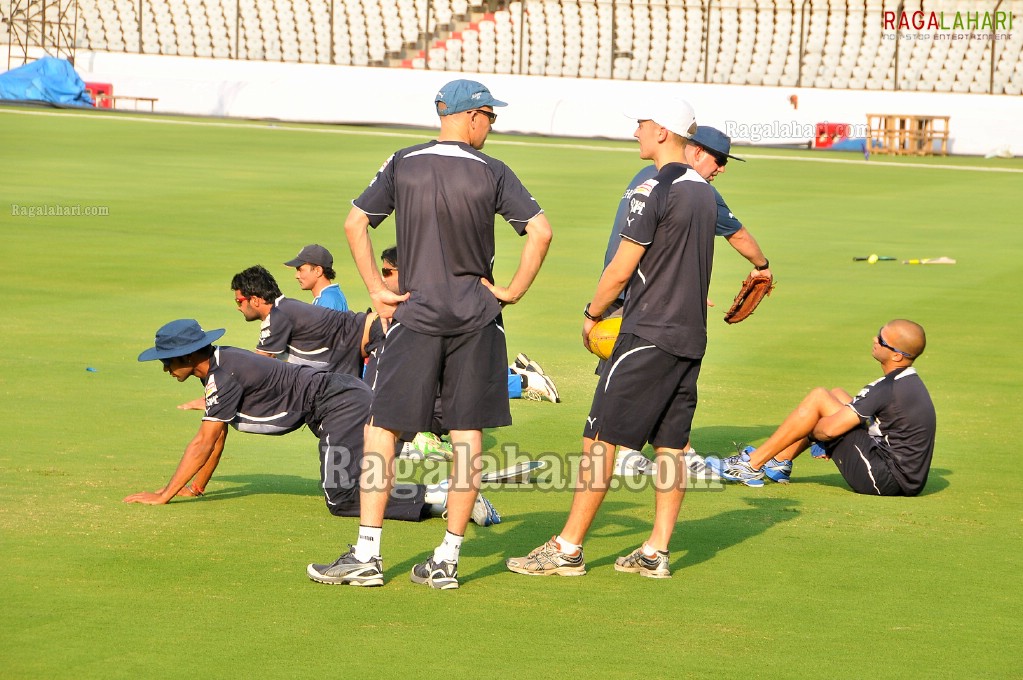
290	127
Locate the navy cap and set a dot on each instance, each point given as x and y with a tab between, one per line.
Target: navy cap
462	95
714	140
312	254
180	338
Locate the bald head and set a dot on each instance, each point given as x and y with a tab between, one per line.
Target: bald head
906	335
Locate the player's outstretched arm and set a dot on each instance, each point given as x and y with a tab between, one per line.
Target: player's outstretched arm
196	455
357	234
747	246
538	241
202	477
198	404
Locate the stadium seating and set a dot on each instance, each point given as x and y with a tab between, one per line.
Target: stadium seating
808	43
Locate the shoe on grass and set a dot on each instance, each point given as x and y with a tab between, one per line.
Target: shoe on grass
347	570
638	563
778	470
442	575
484	513
548	560
736	469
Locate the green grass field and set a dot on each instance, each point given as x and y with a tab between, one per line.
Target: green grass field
804	580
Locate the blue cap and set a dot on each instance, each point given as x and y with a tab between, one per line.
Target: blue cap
463	95
180	338
714	140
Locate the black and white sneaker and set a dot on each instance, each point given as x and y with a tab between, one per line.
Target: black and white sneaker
441	575
536	384
347	570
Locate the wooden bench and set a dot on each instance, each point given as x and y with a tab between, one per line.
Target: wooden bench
113	99
906	135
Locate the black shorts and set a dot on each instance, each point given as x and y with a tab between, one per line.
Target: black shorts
644	395
338	418
470	370
861	464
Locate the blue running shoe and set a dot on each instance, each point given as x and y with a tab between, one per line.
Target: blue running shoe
778	470
737	469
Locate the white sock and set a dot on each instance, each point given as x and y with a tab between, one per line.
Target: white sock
566	547
648	551
449	548
368	545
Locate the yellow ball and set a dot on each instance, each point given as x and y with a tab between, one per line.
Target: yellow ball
602	337
872	259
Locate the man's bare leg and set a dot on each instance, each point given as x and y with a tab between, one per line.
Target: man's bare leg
790	438
377	476
595	472
670	487
466	470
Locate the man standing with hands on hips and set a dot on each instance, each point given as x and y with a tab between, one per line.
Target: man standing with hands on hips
447	332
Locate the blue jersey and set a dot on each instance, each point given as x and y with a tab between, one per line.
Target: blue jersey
331	297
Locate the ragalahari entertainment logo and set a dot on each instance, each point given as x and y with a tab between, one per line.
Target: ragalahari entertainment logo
990	23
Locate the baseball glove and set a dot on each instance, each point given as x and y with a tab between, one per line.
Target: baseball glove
754	289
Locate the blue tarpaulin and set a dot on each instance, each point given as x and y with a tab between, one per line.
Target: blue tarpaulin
48	80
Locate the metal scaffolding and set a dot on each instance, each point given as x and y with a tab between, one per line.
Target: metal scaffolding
41	27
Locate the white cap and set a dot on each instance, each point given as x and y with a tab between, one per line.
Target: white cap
676	115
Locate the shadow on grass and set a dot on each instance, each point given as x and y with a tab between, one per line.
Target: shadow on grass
247	485
725	439
697	540
936	481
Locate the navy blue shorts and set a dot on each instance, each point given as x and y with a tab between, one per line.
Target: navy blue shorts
644	395
469	370
861	464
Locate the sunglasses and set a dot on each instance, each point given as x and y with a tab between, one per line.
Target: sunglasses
491	116
884	344
167	362
387	271
239	301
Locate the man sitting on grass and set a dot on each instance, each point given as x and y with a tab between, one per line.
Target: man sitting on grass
881	440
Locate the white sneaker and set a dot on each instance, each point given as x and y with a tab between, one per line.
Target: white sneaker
698	466
632	463
539	387
536	385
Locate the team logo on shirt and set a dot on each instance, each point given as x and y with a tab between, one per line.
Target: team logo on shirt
646	187
374	180
636	206
211	391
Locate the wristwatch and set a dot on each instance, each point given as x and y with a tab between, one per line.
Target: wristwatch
586	313
766	265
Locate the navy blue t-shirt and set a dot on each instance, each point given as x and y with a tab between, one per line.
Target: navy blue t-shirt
444	196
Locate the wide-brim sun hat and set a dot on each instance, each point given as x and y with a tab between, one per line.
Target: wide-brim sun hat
179	338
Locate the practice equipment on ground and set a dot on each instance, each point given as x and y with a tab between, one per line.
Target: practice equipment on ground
931	260
602	337
874	258
753	290
514	474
